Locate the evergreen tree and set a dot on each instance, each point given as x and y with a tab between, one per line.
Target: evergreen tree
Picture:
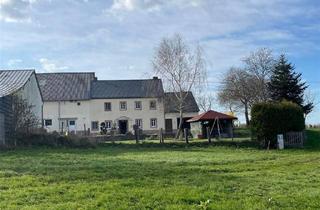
286	84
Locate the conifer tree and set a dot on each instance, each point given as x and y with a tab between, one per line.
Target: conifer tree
286	84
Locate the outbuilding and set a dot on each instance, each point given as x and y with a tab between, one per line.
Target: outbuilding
218	124
22	83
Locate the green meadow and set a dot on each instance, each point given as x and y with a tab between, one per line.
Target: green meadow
173	175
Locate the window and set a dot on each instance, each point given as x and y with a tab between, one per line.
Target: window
123	105
48	122
108	124
94	125
107	106
153	105
138	122
72	122
153	123
137	105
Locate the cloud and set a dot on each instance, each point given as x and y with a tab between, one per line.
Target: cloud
50	66
13	63
15	10
150	5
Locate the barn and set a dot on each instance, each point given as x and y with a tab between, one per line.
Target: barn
22	83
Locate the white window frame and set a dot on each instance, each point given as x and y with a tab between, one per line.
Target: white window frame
153	123
135	105
155	103
94	129
121	103
107	110
108	124
139	124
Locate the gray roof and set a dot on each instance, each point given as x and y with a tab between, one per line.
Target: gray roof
148	88
65	86
171	103
12	80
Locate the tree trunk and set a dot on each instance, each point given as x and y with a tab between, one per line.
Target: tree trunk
179	131
246	112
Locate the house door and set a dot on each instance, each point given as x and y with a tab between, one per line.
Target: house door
123	126
72	125
168	125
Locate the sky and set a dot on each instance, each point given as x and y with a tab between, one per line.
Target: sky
117	38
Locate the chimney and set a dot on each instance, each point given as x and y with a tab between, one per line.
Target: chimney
155	77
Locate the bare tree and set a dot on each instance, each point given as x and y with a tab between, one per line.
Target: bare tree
310	101
260	64
205	100
181	68
23	118
242	87
238	89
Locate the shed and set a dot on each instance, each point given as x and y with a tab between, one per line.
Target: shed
218	123
24	84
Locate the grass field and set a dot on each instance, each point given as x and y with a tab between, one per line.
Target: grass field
153	176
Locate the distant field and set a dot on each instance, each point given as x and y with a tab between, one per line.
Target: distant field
153	176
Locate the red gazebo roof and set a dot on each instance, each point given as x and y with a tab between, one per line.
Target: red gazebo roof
211	115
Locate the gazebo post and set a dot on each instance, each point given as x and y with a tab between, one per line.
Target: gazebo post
212	127
218	128
232	130
208	134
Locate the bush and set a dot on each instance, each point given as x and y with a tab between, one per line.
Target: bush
270	119
53	140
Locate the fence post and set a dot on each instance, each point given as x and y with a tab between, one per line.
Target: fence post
161	135
186	135
208	135
136	133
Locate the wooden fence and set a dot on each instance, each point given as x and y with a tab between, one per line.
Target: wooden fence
294	139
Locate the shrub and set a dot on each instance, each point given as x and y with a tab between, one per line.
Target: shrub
53	140
270	119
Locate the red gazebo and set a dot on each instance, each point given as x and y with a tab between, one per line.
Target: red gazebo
218	124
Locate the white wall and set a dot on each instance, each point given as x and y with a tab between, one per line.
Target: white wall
175	116
31	93
98	113
67	109
93	110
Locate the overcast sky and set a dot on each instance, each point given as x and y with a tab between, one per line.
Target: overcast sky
116	38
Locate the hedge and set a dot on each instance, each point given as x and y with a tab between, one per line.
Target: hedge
270	119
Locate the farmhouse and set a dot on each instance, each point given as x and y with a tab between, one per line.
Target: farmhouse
21	83
76	102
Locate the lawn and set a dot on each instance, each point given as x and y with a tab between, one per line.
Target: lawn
154	176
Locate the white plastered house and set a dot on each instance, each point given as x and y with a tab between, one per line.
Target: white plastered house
78	101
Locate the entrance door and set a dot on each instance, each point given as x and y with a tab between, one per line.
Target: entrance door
72	126
168	125
123	126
